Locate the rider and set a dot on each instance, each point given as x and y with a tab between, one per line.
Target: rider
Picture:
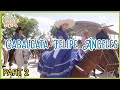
86	35
17	35
80	51
59	63
103	34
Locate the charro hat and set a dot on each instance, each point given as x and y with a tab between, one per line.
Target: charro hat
70	23
102	26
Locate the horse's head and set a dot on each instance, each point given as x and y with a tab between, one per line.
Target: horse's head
26	53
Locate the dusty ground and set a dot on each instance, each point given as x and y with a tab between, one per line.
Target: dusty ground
34	74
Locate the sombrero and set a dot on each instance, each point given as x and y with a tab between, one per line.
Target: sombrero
70	23
102	26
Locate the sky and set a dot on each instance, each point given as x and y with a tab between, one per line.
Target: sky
46	20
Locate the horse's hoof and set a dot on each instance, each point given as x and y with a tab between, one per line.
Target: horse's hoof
95	77
3	66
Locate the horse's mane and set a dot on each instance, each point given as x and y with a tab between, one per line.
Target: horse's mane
89	53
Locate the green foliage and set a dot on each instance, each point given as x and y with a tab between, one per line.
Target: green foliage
53	31
71	32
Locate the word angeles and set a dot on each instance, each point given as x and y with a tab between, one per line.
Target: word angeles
91	44
15	72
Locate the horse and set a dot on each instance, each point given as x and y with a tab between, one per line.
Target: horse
91	60
36	53
32	53
20	58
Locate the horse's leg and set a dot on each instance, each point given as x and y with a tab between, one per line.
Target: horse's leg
5	54
116	74
39	55
6	58
11	59
94	73
35	55
32	54
25	67
11	62
102	71
10	67
19	72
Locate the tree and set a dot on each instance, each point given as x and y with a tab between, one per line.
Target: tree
36	33
53	31
9	32
71	32
29	25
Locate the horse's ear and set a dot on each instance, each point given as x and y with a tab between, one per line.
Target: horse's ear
94	49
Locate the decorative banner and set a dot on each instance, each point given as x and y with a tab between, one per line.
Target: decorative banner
9	20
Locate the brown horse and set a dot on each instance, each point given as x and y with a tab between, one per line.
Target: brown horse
91	60
36	53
